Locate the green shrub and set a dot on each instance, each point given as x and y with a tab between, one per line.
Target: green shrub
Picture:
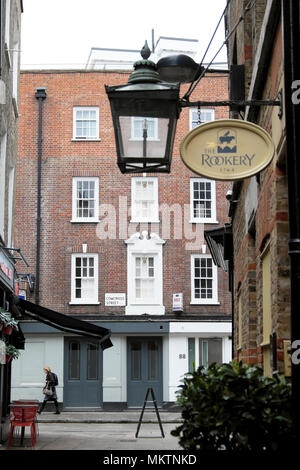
234	407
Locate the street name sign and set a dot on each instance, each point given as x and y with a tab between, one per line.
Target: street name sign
115	300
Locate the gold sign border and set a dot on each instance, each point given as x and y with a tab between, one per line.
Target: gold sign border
219	123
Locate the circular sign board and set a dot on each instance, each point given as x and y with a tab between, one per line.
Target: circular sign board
227	149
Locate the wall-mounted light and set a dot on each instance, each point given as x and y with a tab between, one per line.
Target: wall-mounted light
144	113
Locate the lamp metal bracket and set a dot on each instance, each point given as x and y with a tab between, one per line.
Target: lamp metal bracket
278	102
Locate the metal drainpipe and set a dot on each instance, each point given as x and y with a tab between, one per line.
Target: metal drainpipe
40	94
291	52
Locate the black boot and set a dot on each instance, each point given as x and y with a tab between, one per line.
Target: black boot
57	412
41	408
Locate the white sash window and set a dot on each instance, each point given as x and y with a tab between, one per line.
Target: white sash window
204	277
84	279
206	115
145	274
203	200
144	200
85	200
144	278
86	123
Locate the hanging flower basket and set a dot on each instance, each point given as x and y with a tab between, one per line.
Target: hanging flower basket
11	352
7	322
8	330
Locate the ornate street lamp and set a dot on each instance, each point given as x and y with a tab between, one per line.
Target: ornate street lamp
144	113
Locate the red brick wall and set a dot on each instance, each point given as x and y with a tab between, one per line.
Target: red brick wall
63	158
271	218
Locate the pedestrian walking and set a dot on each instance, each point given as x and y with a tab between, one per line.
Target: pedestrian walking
49	390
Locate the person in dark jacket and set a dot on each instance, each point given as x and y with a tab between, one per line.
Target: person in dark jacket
50	385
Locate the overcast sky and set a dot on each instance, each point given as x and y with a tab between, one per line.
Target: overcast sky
62	32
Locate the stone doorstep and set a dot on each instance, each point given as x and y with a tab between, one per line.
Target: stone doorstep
108	417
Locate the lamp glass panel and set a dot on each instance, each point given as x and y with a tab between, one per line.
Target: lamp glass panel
143	137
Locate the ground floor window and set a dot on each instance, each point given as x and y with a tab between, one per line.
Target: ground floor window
204	351
210	350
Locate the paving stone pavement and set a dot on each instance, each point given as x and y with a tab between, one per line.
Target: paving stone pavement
103	431
109	439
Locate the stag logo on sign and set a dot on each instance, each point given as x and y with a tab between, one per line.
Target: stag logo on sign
227	149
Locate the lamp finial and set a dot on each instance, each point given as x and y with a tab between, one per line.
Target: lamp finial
145	52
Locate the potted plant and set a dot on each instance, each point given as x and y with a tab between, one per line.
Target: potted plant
11	352
234	407
7	322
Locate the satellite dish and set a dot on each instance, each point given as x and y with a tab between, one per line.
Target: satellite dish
178	68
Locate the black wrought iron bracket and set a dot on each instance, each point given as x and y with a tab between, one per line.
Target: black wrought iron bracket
18	250
190	104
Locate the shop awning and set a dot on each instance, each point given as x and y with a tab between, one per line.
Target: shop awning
63	322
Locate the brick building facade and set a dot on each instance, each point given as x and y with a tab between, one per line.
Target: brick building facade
10	31
115	248
259	205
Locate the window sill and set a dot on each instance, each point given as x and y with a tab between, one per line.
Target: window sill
205	303
85	140
86	221
142	309
148	221
203	221
84	303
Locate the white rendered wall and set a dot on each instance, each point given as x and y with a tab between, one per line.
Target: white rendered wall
114	371
28	377
227	349
166	368
178	363
178	348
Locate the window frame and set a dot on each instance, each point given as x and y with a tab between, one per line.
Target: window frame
85	108
146	300
75	217
84	301
192	110
206	361
139	245
154	218
194	345
203	220
204	301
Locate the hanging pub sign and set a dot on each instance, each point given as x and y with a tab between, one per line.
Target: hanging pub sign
227	149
